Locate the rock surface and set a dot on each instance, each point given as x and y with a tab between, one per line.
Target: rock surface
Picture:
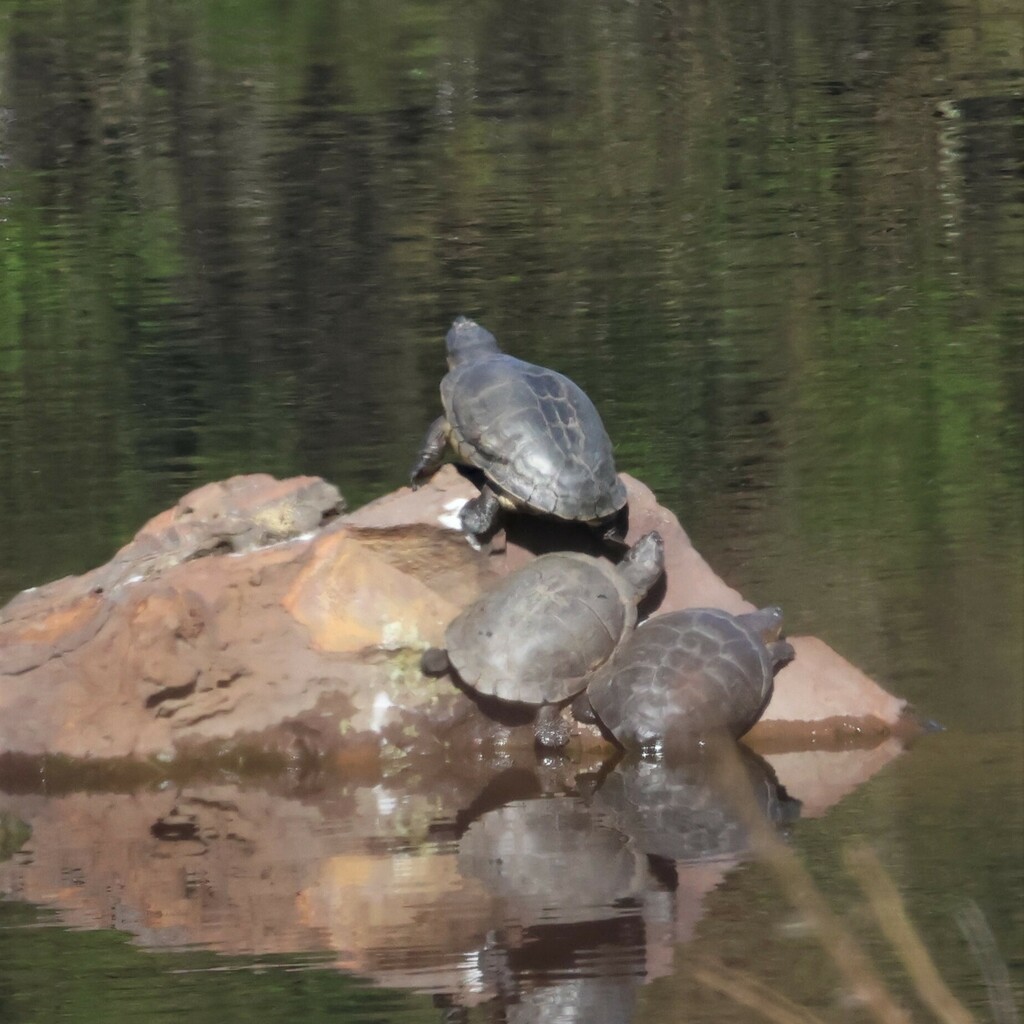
253	611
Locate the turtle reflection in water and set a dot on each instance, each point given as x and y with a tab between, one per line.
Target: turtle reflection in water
590	889
533	433
687	676
569	945
551	861
689	811
535	638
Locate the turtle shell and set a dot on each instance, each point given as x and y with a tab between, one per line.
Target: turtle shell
536	436
536	637
680	812
687	674
552	861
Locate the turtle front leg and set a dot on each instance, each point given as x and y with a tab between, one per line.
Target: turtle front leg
431	453
479	515
551	731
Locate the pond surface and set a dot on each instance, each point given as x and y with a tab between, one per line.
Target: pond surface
780	245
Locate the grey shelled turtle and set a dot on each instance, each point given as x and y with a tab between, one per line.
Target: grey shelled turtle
535	435
684	676
536	637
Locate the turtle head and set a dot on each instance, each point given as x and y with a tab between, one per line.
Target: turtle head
467	341
644	563
766	623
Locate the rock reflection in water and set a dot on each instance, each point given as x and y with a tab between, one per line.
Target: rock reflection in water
526	889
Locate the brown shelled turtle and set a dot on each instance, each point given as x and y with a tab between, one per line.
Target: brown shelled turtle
684	676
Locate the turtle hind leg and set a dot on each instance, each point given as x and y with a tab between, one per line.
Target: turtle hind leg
551	731
431	452
583	711
480	514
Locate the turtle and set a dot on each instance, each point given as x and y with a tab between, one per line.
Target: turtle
685	676
535	435
534	639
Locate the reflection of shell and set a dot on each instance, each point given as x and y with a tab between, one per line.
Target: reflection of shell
682	813
551	862
581	1000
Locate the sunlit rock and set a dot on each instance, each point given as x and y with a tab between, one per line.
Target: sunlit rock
253	612
225	620
388	588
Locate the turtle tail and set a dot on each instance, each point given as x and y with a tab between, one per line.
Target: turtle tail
434	661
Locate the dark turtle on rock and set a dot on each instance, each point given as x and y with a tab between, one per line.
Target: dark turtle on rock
684	676
533	433
536	637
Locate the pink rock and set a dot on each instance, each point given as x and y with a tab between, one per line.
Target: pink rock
251	612
402	591
689	581
195	634
436	503
819	695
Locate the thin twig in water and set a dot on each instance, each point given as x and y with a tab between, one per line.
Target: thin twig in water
847	956
754	994
983	947
891	915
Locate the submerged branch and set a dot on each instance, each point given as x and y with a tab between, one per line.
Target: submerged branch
754	994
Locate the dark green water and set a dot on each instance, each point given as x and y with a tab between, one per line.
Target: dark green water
781	245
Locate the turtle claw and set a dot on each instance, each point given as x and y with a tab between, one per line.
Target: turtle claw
551	731
615	529
420	474
583	710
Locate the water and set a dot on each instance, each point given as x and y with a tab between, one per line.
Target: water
781	247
